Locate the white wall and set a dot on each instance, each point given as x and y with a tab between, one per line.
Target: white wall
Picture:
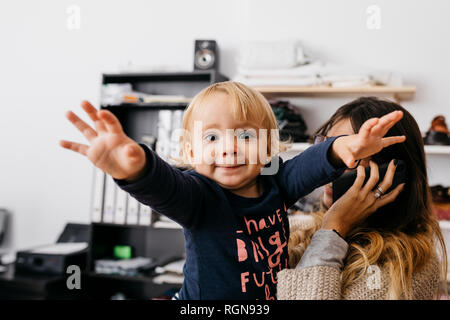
46	69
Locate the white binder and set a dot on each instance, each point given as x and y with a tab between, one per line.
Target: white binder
97	195
121	206
132	210
145	215
177	122
164	127
110	200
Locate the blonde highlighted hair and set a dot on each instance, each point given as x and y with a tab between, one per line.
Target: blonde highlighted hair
247	105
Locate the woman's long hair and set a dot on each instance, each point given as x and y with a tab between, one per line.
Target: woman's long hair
402	236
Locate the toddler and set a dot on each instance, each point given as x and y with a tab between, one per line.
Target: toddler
232	201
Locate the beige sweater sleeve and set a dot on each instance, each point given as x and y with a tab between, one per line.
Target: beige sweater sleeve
311	283
323	283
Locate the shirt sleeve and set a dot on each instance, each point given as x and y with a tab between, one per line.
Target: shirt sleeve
307	171
167	190
325	249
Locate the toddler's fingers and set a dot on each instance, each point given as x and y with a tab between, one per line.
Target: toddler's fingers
387	122
92	113
77	147
112	124
386	142
366	127
82	126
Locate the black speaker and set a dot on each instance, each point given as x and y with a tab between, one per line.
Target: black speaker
206	55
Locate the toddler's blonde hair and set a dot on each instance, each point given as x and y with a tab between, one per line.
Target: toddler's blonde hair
247	105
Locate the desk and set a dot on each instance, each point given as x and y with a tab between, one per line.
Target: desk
19	286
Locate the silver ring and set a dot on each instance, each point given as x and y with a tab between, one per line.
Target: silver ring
380	190
377	195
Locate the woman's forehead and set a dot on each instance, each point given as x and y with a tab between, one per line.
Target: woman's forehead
343	126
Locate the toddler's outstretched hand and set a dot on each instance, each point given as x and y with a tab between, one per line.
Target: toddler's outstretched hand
110	149
368	141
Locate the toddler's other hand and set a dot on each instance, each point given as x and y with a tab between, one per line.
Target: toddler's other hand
368	141
110	149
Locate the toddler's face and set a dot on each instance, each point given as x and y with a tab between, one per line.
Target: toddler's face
224	149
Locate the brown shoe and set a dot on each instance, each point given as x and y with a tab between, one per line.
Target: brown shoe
438	133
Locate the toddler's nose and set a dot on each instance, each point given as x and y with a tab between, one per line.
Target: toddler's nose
229	150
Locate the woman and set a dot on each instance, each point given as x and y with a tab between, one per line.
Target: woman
368	244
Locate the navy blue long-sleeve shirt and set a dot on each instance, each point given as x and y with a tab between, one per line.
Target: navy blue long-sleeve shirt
234	245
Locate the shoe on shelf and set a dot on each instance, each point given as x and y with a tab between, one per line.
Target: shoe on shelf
438	133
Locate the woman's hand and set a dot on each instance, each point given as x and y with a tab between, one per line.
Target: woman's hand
110	149
368	141
359	202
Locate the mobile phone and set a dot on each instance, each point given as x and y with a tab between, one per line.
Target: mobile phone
346	180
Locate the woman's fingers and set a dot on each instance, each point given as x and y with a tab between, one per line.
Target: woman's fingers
109	119
74	146
389	177
84	128
92	113
373	180
359	181
390	197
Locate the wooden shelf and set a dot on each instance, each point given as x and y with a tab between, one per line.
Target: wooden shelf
435	150
398	93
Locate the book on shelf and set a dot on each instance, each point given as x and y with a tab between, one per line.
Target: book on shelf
109	200
132	210
121	206
145	215
97	195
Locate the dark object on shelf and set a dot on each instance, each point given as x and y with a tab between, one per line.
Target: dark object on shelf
441	201
438	133
75	232
3	224
206	55
290	121
34	261
53	259
440	194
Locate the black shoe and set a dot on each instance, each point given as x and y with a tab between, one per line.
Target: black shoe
438	133
436	138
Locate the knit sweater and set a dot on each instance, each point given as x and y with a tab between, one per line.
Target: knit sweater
318	275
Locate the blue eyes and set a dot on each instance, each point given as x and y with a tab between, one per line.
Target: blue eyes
246	135
211	137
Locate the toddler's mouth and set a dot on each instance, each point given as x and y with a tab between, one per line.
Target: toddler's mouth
229	167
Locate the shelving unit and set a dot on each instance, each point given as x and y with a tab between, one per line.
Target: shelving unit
397	93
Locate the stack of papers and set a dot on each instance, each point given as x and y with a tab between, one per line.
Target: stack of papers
170	273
